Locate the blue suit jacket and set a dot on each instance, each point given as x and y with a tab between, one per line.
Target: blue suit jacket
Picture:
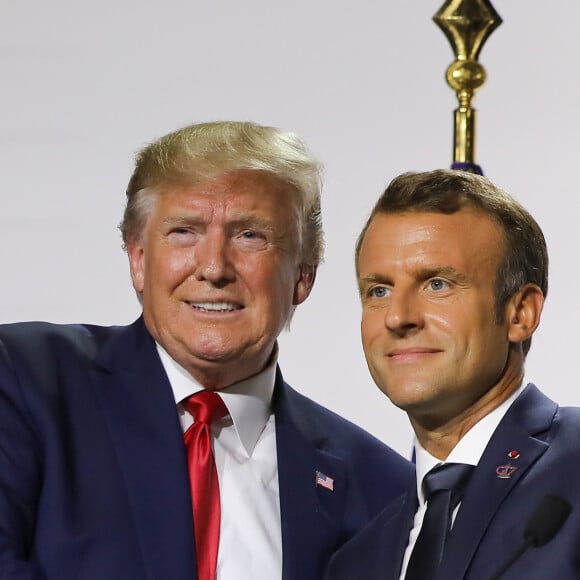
489	525
93	473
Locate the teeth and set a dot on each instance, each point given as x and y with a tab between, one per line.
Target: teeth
215	306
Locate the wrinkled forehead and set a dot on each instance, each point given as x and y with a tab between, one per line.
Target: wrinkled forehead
234	183
240	197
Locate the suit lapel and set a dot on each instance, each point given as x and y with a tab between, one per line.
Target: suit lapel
496	476
311	514
395	543
377	551
140	413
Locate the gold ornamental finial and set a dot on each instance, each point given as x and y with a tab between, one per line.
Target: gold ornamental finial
467	24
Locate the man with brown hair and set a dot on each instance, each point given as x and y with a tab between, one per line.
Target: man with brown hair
452	273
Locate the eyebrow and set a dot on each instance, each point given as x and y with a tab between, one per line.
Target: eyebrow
180	219
441	271
374	279
244	221
420	273
253	221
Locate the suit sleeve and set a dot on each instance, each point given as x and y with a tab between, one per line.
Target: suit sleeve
20	478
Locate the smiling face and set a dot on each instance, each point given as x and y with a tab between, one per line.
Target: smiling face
218	266
429	329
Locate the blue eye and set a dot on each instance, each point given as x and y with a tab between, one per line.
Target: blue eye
378	291
437	284
250	240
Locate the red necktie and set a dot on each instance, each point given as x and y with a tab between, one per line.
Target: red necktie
205	407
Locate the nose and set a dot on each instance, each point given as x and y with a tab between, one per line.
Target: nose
213	261
403	314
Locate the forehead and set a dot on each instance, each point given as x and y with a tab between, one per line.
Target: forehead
243	182
466	239
239	191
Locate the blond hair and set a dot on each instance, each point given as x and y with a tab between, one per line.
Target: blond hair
208	150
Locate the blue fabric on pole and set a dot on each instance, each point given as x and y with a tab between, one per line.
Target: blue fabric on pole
466	166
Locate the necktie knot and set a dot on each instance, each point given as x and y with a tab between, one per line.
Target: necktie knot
451	477
205	407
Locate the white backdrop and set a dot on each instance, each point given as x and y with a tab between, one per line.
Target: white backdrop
84	85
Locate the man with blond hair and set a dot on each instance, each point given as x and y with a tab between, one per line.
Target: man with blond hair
172	449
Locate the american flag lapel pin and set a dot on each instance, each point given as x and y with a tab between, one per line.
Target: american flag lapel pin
325	481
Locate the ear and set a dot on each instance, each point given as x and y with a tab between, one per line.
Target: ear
523	312
136	253
304	283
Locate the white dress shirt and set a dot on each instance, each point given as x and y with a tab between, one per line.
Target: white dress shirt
244	444
468	450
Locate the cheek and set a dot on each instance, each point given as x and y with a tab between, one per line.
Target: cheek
479	342
273	279
169	267
372	328
495	342
457	326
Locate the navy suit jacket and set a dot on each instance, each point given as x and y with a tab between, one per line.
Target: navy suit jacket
490	522
93	471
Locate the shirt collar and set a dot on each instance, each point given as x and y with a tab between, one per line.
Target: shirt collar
248	402
469	448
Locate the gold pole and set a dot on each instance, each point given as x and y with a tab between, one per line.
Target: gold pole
467	24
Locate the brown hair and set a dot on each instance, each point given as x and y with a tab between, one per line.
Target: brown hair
448	191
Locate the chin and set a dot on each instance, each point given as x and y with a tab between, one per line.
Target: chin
216	354
409	398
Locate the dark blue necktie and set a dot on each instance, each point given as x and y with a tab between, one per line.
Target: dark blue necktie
443	488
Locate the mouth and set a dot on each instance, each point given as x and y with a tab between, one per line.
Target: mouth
411	353
215	306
